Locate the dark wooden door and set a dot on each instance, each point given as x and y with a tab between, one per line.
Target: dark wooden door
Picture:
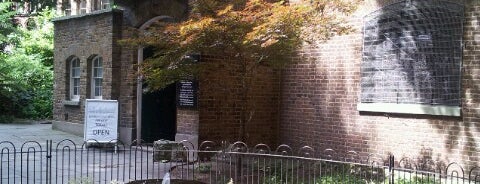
158	111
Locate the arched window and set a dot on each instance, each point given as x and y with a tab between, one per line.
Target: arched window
105	4
97	78
74	82
96	5
83	7
66	7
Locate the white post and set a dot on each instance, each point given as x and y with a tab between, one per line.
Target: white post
74	7
59	8
89	6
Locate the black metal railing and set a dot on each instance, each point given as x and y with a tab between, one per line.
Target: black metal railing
114	162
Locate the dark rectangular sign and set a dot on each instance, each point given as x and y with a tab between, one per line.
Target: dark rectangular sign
187	94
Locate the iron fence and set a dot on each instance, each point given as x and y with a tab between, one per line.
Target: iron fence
68	162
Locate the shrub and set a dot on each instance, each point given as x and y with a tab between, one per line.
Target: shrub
25	87
26	76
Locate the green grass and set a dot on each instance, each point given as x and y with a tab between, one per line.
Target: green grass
417	180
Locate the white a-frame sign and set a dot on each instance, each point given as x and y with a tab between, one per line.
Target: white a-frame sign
101	121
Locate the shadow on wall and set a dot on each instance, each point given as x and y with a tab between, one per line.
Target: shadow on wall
321	89
410	56
422	58
316	94
221	102
470	88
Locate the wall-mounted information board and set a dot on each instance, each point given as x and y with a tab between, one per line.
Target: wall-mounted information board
412	53
187	94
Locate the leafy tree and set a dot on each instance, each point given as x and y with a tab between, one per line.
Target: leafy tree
37	39
26	86
6	23
254	33
26	76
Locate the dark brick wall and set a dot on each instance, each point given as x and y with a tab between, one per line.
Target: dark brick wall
127	80
220	103
187	122
320	93
137	13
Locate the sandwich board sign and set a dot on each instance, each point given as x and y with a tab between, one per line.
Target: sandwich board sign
101	121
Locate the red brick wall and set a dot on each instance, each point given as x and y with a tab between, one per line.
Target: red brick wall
220	103
320	93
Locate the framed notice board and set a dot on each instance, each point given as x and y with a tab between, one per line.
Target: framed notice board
187	94
101	121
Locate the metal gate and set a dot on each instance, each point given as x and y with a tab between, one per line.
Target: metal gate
67	162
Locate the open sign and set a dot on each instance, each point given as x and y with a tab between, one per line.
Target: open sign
101	121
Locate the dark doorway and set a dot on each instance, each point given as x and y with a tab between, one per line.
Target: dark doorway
158	111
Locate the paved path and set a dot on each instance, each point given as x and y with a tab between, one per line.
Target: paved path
19	133
68	163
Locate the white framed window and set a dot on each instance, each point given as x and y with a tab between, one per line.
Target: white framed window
66	7
75	79
97	78
96	5
83	7
105	4
413	68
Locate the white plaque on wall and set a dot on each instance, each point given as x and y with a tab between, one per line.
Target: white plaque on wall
101	121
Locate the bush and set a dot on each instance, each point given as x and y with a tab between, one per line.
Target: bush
6	119
26	87
26	76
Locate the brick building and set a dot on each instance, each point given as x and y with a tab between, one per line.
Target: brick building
403	83
90	63
327	100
